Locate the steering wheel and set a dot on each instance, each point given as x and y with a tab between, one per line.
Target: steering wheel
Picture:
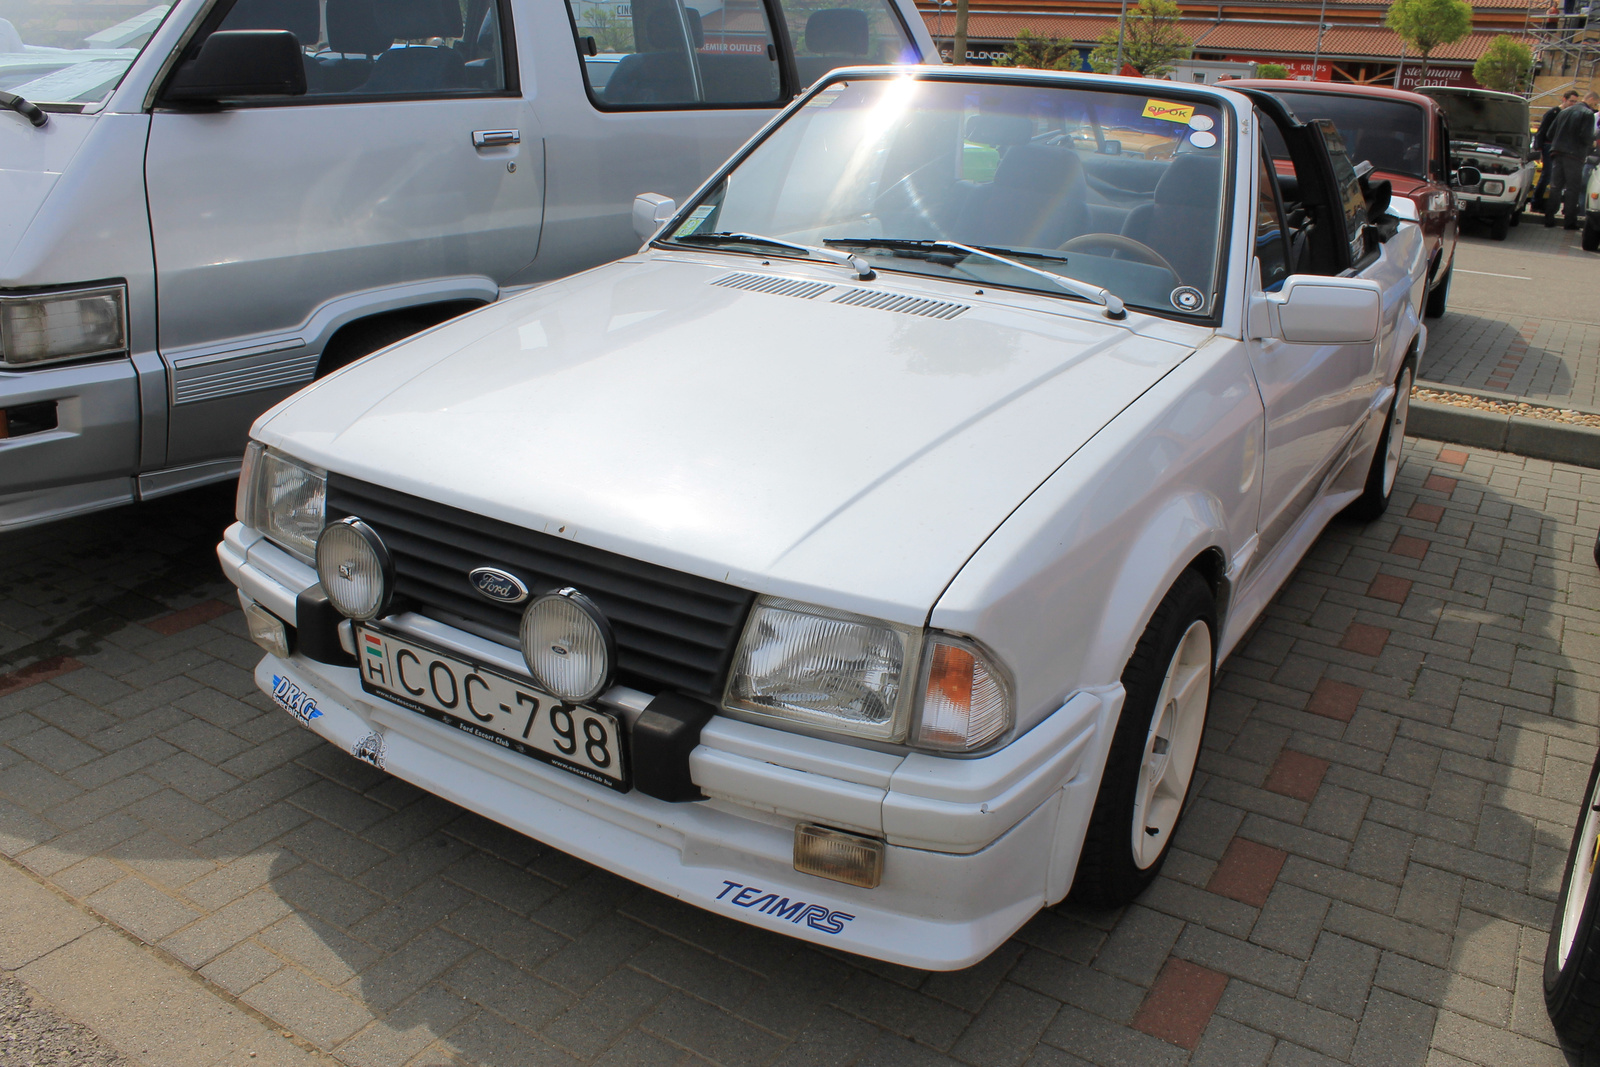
1115	242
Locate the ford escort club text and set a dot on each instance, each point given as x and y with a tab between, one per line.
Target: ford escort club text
854	560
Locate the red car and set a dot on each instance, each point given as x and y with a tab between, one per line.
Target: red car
1406	139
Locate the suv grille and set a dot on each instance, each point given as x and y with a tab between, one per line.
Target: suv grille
673	630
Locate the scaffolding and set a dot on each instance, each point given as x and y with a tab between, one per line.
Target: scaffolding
1566	46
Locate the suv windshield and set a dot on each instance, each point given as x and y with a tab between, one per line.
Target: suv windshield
1392	135
71	54
1119	190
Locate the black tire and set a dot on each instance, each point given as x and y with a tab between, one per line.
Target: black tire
1516	216
1500	227
1108	873
1375	495
1438	296
1572	984
1591	234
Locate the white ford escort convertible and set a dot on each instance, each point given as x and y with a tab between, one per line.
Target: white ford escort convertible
855	560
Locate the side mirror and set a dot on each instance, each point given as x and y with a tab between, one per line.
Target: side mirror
241	63
650	213
1314	310
1111	148
1466	176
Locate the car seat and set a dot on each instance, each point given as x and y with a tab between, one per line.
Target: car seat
1039	195
1181	220
415	68
354	37
836	37
658	73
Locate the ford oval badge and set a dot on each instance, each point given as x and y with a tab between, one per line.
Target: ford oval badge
498	586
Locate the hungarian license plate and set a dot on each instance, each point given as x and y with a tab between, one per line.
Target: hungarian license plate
492	706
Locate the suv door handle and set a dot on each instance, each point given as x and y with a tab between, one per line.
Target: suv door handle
495	138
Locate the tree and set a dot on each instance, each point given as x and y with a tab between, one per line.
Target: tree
1153	42
1040	53
1504	65
1272	70
1427	24
958	46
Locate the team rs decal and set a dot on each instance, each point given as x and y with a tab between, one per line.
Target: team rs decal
1163	109
295	701
369	749
815	916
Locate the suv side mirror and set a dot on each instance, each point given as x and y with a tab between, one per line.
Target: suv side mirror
650	212
1314	310
1466	176
241	63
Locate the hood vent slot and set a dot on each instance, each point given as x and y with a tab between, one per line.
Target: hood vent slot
761	283
898	302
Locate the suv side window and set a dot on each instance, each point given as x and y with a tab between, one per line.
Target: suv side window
386	48
1272	246
653	54
845	33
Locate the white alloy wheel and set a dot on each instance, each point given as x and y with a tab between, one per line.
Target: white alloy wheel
1173	745
1582	860
1397	431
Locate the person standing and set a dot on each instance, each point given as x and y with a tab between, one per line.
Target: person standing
1541	144
1572	136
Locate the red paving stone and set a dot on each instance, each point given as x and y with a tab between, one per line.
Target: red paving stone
1438	483
1453	456
1426	512
43	671
1388	587
1335	700
180	621
1297	775
1364	639
1406	545
1179	1005
1247	872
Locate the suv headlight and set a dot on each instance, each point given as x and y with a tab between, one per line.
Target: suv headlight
868	678
283	499
63	324
1490	188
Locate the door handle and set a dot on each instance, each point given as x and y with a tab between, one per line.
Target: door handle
495	138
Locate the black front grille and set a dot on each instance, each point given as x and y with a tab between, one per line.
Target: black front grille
673	630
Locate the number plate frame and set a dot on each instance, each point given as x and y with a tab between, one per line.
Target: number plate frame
506	725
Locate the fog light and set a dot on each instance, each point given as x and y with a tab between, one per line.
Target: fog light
848	858
568	646
267	630
355	568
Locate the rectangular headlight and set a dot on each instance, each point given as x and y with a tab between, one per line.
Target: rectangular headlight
826	668
51	327
283	499
1493	188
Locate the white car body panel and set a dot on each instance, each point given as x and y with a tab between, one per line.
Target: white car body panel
744	437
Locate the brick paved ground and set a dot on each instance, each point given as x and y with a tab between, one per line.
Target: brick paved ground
1524	317
1391	775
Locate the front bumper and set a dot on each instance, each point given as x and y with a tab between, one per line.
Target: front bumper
86	460
1482	205
974	847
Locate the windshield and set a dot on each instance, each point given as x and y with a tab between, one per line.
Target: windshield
56	53
1117	189
1392	135
1488	119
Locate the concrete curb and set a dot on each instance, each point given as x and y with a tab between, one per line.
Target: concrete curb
1536	438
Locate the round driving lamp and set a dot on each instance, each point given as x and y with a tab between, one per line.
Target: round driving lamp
355	568
568	646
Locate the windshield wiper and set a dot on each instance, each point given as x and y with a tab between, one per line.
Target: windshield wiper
862	268
1115	308
22	107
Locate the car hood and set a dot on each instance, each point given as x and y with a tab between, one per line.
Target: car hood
31	161
853	450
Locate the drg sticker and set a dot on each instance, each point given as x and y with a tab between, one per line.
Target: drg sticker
1187	298
294	700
